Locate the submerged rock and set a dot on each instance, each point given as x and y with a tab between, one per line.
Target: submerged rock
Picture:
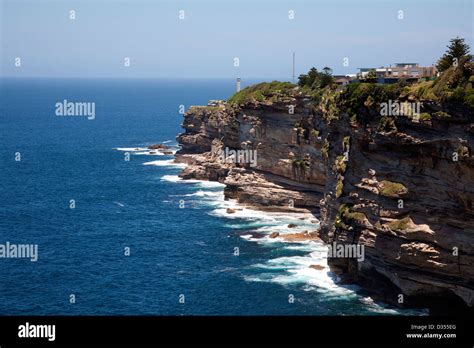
300	237
158	147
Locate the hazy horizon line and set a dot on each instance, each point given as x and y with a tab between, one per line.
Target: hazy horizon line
142	78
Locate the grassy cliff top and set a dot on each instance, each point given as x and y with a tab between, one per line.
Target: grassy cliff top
453	85
263	91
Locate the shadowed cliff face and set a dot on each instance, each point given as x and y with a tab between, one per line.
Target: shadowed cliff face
407	196
400	186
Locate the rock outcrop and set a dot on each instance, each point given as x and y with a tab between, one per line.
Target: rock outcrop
400	186
406	195
278	181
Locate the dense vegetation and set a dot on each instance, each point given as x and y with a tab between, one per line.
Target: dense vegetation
358	96
457	50
346	215
262	91
315	83
455	84
315	79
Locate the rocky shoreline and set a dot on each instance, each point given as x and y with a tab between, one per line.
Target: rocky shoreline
392	185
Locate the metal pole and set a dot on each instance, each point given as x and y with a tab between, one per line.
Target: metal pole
293	67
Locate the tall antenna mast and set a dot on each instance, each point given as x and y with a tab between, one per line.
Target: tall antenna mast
293	67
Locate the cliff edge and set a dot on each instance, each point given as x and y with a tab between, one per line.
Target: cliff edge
389	167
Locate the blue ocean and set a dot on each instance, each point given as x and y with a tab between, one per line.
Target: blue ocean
118	237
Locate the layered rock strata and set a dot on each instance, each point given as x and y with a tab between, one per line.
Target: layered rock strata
402	187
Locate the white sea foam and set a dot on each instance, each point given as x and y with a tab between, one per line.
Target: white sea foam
296	270
284	229
204	198
291	269
246	236
250	214
156	152
165	163
204	183
206	194
288	270
148	153
374	307
171	178
308	247
199	183
144	151
131	149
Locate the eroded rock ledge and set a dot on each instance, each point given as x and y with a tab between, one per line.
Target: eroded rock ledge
393	185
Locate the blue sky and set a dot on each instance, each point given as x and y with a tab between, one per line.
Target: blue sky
204	44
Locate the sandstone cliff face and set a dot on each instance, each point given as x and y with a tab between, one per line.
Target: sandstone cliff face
405	191
289	171
407	196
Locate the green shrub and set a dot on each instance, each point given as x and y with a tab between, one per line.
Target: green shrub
346	142
314	133
346	215
400	225
325	149
262	91
425	116
258	96
359	96
442	114
469	100
453	85
339	187
340	164
300	163
387	125
391	189
463	151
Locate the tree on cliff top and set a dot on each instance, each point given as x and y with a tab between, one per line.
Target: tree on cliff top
457	49
326	77
315	79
